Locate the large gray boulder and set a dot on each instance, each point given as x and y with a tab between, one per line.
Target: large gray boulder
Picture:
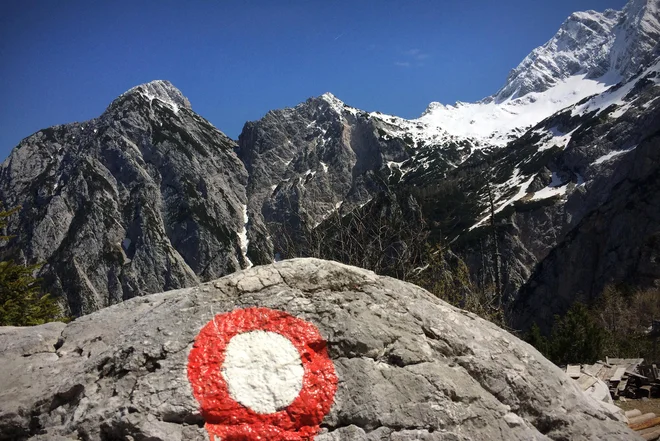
409	366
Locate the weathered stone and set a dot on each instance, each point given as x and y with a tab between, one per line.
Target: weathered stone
410	367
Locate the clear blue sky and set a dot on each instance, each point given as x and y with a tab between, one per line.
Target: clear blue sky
64	61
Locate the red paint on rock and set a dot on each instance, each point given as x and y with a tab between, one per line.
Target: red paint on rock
231	421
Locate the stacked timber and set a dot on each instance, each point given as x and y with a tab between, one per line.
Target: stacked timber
621	377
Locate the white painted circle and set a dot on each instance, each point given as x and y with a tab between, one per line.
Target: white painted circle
263	371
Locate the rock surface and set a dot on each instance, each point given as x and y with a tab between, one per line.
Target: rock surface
410	367
147	197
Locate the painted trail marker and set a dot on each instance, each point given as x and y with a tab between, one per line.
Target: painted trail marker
261	374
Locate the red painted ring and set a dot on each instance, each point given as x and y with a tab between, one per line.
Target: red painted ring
230	420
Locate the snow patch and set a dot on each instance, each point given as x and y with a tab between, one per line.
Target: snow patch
495	121
557	139
242	238
168	102
614	96
549	192
516	180
325	167
338	105
610	155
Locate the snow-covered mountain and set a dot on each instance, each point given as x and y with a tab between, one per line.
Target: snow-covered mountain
591	52
576	119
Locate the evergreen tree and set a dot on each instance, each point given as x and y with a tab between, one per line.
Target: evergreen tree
538	340
21	301
576	337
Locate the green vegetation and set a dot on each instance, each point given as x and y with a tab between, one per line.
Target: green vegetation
390	236
576	337
21	300
616	325
446	276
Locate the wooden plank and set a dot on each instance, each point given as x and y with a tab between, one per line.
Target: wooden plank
594	369
633	374
633	413
586	381
573	371
644	391
606	373
618	374
622	385
646	424
641	419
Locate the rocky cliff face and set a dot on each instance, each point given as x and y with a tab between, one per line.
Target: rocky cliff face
550	188
309	162
147	197
598	222
407	366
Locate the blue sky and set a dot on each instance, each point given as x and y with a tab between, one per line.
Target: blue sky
65	61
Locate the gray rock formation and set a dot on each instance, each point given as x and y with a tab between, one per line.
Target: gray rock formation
307	162
410	367
617	241
145	198
604	229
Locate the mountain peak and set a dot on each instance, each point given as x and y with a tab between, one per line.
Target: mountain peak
590	52
163	91
610	45
335	103
578	47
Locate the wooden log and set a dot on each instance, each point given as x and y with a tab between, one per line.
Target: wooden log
646	424
633	413
641	419
653	436
649	430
